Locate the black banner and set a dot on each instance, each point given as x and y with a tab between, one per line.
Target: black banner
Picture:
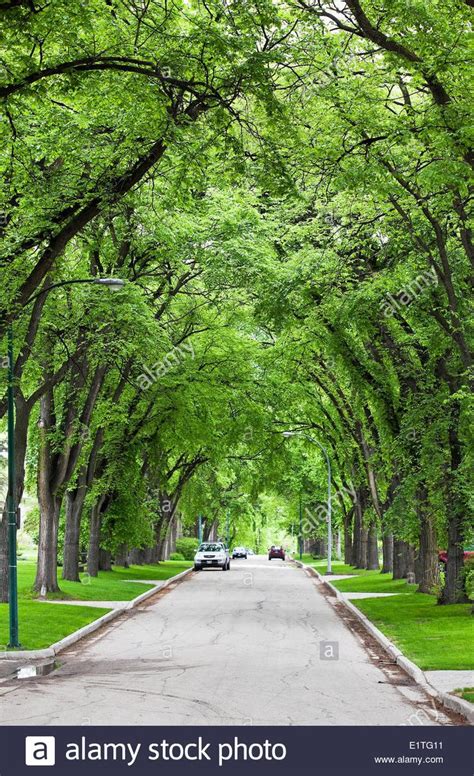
178	751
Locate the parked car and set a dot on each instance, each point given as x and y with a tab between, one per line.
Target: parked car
212	555
443	558
276	551
239	552
250	552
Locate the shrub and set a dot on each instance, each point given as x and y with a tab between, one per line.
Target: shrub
468	578
187	547
31	524
177	556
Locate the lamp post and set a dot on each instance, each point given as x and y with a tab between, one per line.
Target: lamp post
200	529
11	504
114	284
328	464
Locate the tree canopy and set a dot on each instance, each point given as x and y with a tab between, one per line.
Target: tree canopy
285	188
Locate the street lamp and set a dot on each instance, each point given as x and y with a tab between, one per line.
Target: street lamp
328	463
114	284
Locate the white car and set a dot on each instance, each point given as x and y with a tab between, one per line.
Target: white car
212	555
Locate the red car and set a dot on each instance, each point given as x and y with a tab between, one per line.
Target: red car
443	558
276	551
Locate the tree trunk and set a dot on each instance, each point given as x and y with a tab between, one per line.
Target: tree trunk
167	513
74	505
210	529
94	538
411	555
148	555
121	556
168	544
362	561
163	550
105	560
158	540
400	559
348	537
357	528
319	548
360	533
74	509
453	591
372	548
137	556
174	533
22	416
387	536
427	570
387	553
56	467
49	505
47	570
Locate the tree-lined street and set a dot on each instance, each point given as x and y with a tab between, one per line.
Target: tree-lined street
236	304
242	648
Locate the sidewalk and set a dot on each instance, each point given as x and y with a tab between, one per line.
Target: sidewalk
448	681
106	604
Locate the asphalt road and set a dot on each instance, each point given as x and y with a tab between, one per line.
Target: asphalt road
237	648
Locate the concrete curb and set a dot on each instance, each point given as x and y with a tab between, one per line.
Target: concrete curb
59	646
457	704
446	699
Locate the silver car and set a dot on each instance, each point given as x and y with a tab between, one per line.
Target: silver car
212	555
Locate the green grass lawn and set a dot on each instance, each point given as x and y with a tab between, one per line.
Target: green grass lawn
363	581
108	586
435	637
374	582
165	570
338	567
43	624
